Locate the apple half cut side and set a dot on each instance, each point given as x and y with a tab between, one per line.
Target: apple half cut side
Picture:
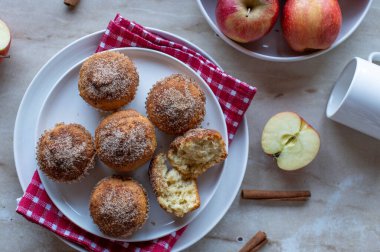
5	40
290	140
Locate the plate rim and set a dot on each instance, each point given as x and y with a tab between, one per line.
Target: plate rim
22	105
146	51
276	58
243	127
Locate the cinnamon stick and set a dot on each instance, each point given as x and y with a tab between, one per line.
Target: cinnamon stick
71	3
255	243
276	195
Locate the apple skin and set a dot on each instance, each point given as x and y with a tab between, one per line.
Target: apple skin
5	50
311	24
236	23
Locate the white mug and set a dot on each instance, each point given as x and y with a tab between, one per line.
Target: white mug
355	98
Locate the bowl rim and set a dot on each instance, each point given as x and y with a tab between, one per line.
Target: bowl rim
242	49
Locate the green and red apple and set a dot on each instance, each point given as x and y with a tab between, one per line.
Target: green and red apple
5	40
311	24
246	20
290	140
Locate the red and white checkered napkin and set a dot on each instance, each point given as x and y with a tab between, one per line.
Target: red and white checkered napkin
36	206
234	97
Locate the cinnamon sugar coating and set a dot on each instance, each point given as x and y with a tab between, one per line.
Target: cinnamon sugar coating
125	140
119	206
176	104
108	80
66	152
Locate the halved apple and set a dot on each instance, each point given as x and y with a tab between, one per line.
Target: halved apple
5	40
290	140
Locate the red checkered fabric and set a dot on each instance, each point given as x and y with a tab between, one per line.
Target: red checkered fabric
234	97
37	207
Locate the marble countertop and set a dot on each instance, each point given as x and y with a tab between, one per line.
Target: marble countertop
343	213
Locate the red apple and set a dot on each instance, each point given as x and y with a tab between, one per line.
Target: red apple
311	24
246	20
5	40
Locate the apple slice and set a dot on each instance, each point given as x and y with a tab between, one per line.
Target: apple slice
291	140
5	40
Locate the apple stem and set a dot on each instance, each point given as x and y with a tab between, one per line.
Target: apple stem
5	56
248	11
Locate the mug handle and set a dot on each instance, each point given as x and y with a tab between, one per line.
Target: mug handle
375	56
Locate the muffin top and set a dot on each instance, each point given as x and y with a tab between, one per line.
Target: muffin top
108	76
176	104
125	137
66	152
119	206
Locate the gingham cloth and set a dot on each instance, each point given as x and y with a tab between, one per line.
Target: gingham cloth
36	206
233	95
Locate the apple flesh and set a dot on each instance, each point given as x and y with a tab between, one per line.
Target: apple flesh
290	140
311	24
5	40
246	20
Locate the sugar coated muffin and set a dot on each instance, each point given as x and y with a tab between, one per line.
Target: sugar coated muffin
125	140
119	206
108	80
66	152
197	151
176	104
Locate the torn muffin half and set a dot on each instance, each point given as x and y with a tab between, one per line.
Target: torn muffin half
196	151
174	193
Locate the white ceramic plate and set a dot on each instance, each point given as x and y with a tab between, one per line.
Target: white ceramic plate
38	90
273	47
64	104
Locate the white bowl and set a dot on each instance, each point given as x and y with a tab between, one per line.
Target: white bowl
273	47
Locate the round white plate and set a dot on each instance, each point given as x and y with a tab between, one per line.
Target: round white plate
37	92
64	104
273	47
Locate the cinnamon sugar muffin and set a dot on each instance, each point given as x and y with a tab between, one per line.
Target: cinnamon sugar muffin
119	206
196	151
108	80
125	140
66	152
176	104
174	194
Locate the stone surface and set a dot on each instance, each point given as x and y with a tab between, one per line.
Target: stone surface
342	214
